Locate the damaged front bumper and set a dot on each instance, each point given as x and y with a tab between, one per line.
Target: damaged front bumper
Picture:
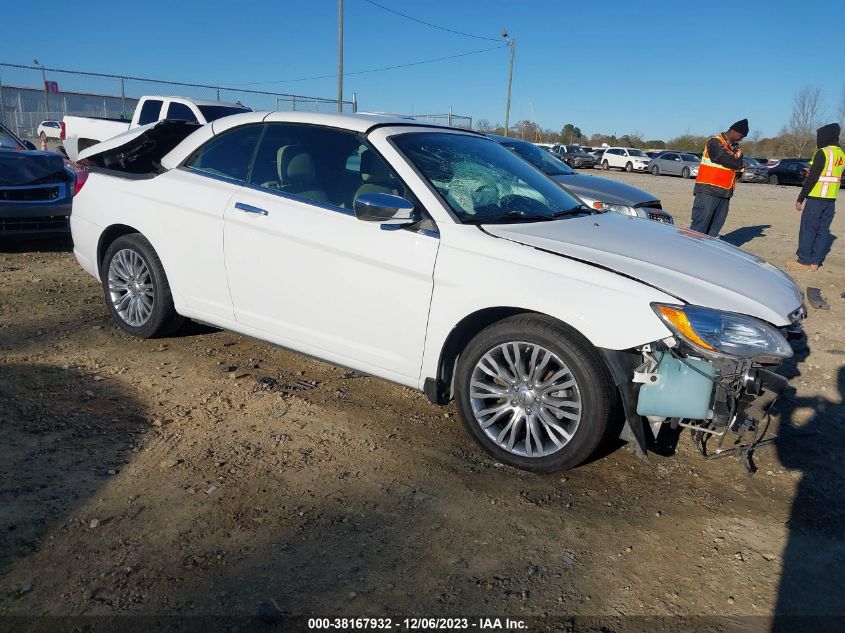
724	401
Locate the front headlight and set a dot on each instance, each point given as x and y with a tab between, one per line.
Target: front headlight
727	333
624	209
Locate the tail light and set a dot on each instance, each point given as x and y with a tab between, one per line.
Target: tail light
63	136
79	181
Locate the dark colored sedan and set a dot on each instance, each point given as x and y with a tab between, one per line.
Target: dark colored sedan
574	156
599	193
36	189
788	171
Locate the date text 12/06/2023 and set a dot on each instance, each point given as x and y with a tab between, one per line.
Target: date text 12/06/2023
417	624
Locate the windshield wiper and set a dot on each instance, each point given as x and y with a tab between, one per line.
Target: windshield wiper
510	216
581	208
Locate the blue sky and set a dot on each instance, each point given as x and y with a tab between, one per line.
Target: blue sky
659	68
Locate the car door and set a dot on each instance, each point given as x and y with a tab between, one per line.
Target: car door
309	275
196	196
674	165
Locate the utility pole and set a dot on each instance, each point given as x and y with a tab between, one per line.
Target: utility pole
44	78
512	43
340	55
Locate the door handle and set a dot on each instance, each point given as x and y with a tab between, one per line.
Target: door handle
248	208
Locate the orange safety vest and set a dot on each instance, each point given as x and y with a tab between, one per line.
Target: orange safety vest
710	173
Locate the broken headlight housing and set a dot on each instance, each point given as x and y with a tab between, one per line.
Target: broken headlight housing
724	333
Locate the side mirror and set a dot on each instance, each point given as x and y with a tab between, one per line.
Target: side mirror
384	207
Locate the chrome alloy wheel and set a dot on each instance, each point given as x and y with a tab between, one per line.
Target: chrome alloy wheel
131	287
525	399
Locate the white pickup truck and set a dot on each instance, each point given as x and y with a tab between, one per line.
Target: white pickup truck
79	133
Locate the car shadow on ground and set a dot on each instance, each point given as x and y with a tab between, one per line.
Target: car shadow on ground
60	244
745	234
62	437
811	595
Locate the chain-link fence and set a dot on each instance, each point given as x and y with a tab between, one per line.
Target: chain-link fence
452	120
71	92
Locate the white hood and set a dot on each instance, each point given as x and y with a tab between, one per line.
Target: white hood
696	268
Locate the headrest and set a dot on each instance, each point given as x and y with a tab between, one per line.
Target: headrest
373	168
295	165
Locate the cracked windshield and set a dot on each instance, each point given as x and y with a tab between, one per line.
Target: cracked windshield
483	182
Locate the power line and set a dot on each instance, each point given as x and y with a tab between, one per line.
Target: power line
434	26
375	70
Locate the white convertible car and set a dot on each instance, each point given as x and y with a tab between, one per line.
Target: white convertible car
436	258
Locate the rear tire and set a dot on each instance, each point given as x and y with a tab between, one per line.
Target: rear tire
136	289
520	405
629	167
655	171
774	180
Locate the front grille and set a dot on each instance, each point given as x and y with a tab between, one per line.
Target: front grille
660	217
30	194
32	224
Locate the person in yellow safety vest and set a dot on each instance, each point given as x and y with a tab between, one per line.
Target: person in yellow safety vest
817	200
714	185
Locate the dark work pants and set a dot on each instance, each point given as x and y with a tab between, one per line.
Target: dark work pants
814	234
709	213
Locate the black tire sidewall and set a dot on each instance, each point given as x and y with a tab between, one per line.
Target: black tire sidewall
163	314
629	167
587	367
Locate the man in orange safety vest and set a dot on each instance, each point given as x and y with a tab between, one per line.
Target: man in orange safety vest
716	179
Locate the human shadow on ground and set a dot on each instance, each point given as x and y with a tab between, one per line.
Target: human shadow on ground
61	434
745	234
811	595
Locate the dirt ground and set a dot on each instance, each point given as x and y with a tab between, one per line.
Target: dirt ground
209	474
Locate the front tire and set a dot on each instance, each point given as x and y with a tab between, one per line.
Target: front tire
605	165
655	171
43	136
136	289
774	180
629	167
685	172
534	394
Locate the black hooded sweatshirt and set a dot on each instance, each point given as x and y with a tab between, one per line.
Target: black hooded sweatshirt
826	135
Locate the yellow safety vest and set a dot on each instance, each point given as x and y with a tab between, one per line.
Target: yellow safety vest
829	181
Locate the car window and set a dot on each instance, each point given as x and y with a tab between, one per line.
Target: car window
636	152
212	113
229	154
180	112
482	181
321	164
149	111
690	158
542	160
8	141
668	156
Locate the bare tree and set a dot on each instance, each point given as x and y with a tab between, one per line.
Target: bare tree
807	111
483	125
